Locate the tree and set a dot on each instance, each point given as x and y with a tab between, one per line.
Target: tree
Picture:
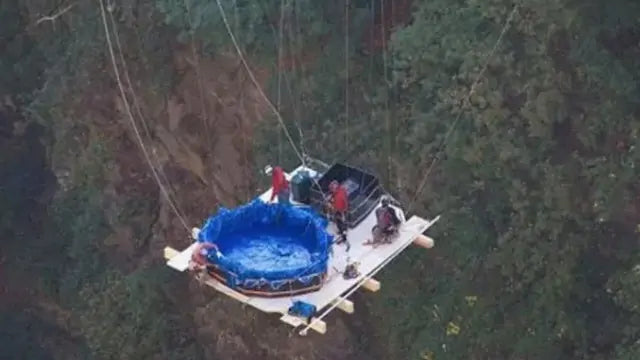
530	200
129	317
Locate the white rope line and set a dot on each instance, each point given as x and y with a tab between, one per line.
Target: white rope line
280	43
280	65
466	99
136	105
383	38
301	156
297	40
203	105
346	87
133	123
255	82
339	299
366	278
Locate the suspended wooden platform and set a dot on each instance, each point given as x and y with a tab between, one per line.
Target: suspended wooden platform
335	289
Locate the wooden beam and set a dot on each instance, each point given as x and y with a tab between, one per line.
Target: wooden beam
344	305
170	252
372	285
423	241
318	325
208	280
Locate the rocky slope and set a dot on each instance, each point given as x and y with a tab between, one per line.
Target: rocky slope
200	140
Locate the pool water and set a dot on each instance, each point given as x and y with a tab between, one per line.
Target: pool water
266	249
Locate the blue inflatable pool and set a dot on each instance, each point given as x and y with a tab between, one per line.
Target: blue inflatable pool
268	249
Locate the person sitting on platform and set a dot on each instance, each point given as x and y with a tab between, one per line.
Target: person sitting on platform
387	222
338	207
279	185
199	260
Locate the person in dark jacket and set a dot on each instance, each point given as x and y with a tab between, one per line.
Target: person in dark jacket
387	222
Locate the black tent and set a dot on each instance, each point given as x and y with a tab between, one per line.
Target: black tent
363	189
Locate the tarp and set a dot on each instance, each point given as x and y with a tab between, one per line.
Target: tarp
262	243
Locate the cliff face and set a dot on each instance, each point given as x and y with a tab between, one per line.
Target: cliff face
204	140
199	144
85	204
199	137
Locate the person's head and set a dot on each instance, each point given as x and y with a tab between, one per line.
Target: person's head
333	186
385	201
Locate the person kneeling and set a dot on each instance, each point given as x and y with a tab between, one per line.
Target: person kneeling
387	223
199	262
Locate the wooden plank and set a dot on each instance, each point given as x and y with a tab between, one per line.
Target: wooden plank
208	280
423	241
180	261
344	305
318	325
170	252
372	285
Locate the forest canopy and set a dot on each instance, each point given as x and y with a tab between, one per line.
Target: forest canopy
534	175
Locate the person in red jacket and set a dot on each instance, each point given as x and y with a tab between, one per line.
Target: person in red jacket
280	186
339	206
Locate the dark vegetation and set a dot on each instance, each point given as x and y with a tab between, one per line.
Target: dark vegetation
537	252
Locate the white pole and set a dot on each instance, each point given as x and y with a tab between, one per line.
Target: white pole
303	332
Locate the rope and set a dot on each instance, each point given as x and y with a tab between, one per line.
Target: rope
203	106
301	156
257	85
279	34
133	123
245	156
393	127
346	87
297	41
279	101
294	104
466	99
136	103
364	279
386	98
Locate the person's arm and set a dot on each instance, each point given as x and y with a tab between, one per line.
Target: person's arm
394	216
209	246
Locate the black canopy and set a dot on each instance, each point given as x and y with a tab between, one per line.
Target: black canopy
363	188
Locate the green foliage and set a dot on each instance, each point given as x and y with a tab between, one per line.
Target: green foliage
313	92
536	176
540	166
70	253
252	22
537	249
45	68
21	61
21	335
129	317
626	289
